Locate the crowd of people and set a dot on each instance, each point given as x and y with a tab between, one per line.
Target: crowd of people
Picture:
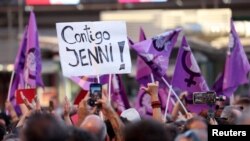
103	123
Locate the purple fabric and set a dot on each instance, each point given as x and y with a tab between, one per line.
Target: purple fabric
85	81
21	54
236	66
218	84
18	82
143	70
142	36
156	51
33	62
18	67
143	102
118	94
187	75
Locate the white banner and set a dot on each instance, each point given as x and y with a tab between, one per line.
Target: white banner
93	48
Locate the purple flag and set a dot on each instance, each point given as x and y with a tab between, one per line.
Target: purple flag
156	51
33	63
142	36
18	82
118	94
187	75
21	54
143	102
143	70
85	81
18	67
143	76
236	66
218	84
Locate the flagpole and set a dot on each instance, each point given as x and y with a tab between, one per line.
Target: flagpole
168	99
10	84
152	77
165	81
109	96
98	78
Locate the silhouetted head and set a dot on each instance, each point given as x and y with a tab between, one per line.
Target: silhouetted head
43	127
146	130
197	122
95	125
76	134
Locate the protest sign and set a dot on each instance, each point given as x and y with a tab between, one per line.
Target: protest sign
27	93
93	48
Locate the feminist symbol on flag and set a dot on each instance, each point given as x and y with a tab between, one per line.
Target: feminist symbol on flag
192	69
159	43
30	67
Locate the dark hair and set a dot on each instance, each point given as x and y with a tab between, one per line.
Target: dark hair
243	101
146	130
44	127
76	134
172	131
110	130
2	131
5	118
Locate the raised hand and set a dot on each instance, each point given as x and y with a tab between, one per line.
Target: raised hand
66	106
152	90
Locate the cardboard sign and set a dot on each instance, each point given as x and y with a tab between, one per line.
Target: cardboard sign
93	48
28	93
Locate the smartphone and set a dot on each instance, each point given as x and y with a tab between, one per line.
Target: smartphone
204	98
95	93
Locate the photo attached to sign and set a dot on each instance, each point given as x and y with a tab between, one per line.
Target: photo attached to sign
93	48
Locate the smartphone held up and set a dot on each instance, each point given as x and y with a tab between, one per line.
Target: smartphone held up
206	98
95	93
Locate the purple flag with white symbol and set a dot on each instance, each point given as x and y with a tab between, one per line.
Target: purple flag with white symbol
156	51
187	75
85	81
118	94
237	66
33	63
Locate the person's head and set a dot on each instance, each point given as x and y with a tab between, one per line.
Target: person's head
4	120
95	125
245	118
76	134
180	124
243	102
2	131
146	130
230	114
43	127
197	122
11	137
193	135
172	131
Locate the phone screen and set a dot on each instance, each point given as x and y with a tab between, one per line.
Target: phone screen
95	93
204	97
